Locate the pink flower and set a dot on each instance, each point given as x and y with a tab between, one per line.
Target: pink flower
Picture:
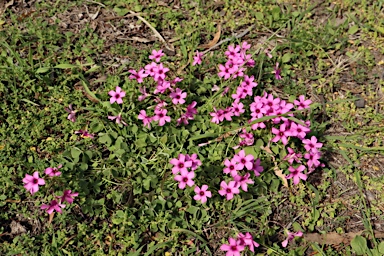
243	160
118	119
296	174
290	237
226	89
248	82
292	156
270	102
185	178
229	189
162	86
182	120
302	103
146	119
238	96
178	96
32	182
180	164
231	167
137	75
267	52
247	239
160	105
312	145
161	116
228	113
243	91
151	69
238	108
176	80
191	110
116	96
298	130
144	92
257	168
313	159
246	139
258	109
233	248
224	72
243	181
277	71
85	134
280	134
197	58
217	116
53	171
202	194
67	196
233	51
215	88
160	71
53	206
245	46
195	162
156	55
72	113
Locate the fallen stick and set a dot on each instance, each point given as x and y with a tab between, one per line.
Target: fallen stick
230	38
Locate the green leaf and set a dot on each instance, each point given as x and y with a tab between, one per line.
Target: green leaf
203	136
381	248
359	245
276	13
259	16
96	126
118	142
119	217
105	139
352	30
286	58
42	70
379	29
164	139
292	98
192	209
75	153
93	69
83	167
140	143
134	128
120	11
296	14
250	150
65	65
146	184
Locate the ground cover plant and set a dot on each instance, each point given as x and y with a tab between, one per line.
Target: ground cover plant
179	127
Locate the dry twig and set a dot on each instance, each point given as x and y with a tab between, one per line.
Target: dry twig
240	35
157	34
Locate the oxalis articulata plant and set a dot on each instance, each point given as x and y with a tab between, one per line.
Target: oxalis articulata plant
241	166
252	114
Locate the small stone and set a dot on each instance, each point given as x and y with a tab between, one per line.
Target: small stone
360	103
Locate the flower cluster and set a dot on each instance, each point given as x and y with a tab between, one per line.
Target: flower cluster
185	177
165	94
32	183
233	166
267	105
281	125
238	245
